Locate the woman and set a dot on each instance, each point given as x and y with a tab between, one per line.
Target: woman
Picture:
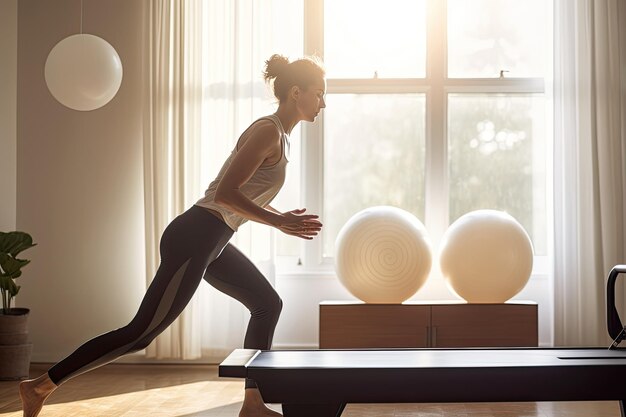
195	244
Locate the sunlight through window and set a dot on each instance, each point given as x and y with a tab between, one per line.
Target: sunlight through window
369	39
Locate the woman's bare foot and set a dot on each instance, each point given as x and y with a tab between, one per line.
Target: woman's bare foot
34	392
253	405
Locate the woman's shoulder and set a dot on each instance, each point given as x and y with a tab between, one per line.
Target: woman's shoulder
266	127
268	122
262	130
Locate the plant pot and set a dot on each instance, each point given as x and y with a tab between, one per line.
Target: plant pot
15	351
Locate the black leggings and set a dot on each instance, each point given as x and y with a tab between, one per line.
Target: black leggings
193	246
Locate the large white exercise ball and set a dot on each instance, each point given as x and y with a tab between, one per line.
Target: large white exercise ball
83	72
486	256
383	255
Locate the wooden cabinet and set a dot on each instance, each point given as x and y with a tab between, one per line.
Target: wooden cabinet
484	325
350	325
373	325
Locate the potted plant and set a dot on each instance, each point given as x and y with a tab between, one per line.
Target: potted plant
15	350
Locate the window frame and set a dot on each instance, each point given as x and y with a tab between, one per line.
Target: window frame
436	86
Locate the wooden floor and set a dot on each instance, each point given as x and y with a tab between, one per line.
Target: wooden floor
195	390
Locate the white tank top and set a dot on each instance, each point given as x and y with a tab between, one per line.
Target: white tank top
261	188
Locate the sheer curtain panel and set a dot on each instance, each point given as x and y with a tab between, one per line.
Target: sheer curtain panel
171	122
589	161
205	61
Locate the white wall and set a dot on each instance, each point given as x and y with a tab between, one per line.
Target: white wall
8	106
79	182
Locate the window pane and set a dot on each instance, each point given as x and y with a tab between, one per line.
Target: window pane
497	158
486	36
363	38
373	155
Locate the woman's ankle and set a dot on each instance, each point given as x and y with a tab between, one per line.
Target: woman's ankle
43	384
252	396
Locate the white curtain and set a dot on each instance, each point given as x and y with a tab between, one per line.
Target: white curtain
205	64
590	167
172	114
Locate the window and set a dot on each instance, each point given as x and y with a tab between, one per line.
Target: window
371	143
367	39
437	107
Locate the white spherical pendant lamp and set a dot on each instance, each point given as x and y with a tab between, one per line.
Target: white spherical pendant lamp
83	72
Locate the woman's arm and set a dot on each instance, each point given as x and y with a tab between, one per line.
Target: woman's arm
263	143
254	151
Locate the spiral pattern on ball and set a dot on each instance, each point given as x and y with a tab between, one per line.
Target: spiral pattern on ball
383	255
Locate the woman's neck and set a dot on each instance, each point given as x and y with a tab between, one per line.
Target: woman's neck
287	118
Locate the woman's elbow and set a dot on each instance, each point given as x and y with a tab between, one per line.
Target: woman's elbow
221	198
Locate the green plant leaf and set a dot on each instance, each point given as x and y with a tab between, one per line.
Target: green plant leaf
7	284
11	266
11	244
15	242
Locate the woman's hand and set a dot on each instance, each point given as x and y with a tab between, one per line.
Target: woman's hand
295	223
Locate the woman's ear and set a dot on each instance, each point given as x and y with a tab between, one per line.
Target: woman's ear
294	92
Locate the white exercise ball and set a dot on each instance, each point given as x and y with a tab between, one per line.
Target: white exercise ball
83	72
383	255
486	257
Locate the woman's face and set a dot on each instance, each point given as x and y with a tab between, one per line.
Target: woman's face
311	100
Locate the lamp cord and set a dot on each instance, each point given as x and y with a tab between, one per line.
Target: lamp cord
81	17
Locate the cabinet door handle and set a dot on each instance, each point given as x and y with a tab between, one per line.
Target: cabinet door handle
434	337
428	336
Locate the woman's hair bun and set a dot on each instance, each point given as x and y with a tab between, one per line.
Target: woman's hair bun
274	66
282	75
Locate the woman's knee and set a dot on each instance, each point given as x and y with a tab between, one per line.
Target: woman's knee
137	335
277	305
142	338
271	306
